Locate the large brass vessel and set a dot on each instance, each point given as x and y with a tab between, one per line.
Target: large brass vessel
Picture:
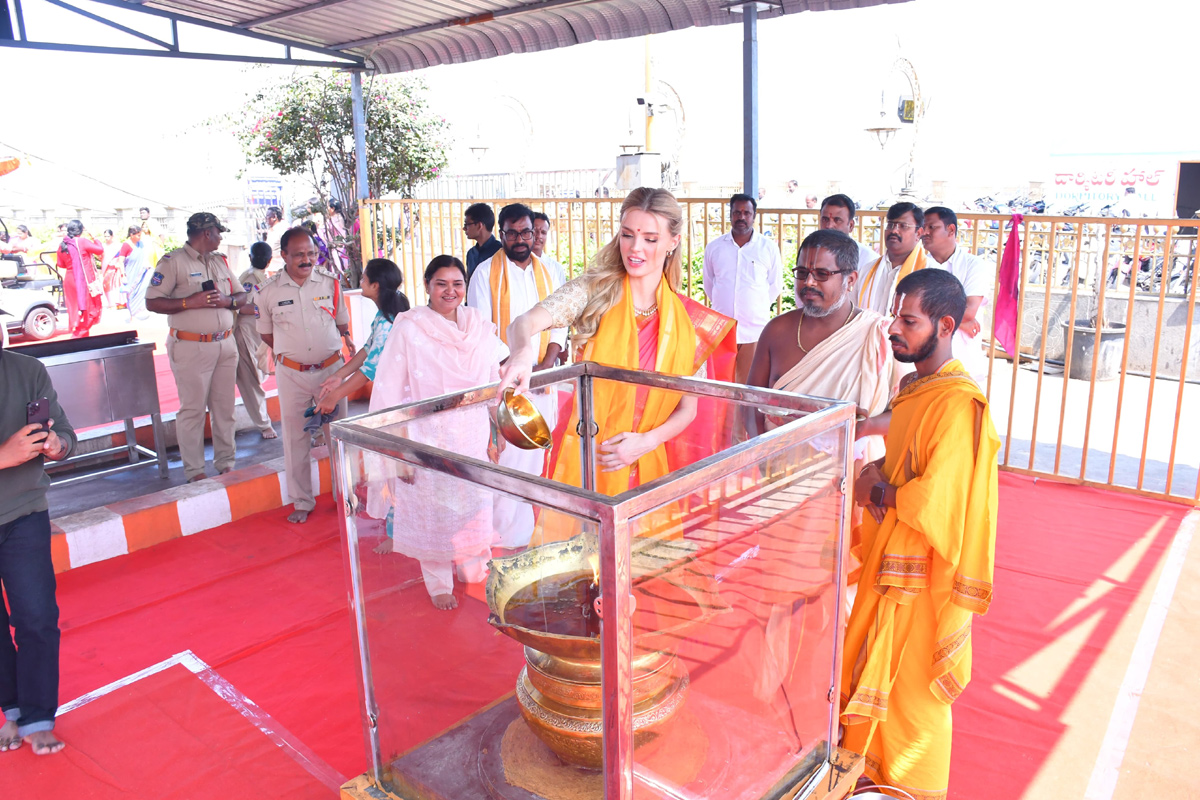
559	688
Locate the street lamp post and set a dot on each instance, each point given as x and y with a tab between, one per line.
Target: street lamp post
884	131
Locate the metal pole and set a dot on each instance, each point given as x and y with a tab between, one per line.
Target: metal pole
750	98
649	91
360	135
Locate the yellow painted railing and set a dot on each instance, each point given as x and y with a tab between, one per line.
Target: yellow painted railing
1121	420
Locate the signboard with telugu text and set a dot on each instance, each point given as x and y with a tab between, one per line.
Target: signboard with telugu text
1104	180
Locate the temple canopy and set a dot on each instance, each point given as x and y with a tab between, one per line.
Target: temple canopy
406	35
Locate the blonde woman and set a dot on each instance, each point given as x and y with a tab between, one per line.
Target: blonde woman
627	312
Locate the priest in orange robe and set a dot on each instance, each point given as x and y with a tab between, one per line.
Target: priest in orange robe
928	545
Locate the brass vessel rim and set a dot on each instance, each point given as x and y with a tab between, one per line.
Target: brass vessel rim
509	426
641	708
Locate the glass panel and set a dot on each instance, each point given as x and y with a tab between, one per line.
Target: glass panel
464	430
447	688
734	580
715	425
735	627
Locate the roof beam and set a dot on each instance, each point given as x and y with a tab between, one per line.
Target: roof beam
254	23
462	21
137	51
116	26
345	59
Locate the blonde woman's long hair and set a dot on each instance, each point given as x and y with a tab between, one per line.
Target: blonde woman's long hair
605	276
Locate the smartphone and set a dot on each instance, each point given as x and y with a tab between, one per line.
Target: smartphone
38	413
208	286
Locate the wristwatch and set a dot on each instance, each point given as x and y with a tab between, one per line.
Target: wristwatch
879	494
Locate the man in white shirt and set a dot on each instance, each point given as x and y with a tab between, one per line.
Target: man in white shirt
541	235
978	280
837	214
902	256
503	288
275	228
743	275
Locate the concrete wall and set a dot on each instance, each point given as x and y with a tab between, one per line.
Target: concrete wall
1142	327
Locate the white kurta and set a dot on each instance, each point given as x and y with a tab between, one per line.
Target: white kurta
978	280
866	256
743	282
513	519
877	290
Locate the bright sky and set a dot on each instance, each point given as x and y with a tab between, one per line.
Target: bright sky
1008	84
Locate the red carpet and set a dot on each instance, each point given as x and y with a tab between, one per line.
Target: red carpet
1055	544
166	736
263	603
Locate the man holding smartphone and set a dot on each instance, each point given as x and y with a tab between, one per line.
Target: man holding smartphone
28	676
196	288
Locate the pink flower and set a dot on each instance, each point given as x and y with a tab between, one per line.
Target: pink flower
268	134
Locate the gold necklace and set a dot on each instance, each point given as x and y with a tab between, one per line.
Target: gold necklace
800	344
639	312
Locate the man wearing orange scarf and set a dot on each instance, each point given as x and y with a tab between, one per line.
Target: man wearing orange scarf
928	544
902	256
503	288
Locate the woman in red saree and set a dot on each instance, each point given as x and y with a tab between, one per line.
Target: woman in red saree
627	312
79	277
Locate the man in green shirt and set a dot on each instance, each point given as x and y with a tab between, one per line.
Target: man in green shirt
28	666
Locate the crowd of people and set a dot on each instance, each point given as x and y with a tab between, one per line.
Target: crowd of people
98	272
895	333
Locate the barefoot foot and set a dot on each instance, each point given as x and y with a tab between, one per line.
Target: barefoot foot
298	517
269	433
445	601
9	739
44	743
384	547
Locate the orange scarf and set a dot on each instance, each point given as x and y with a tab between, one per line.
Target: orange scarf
616	405
501	295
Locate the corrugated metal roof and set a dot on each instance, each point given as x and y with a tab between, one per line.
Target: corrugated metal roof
405	35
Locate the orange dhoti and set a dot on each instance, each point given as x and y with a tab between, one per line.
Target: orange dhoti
927	570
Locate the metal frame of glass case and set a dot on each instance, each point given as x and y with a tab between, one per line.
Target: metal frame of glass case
612	515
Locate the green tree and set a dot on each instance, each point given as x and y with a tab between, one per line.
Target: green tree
305	127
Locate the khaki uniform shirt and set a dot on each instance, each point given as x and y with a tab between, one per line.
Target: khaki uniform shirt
303	318
181	273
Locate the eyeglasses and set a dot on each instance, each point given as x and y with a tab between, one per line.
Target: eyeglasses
525	235
802	274
469	224
898	226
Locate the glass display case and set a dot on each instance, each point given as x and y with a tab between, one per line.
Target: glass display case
570	629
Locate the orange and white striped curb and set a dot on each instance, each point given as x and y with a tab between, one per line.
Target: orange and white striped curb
131	525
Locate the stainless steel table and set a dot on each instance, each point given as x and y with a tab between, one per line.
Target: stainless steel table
100	380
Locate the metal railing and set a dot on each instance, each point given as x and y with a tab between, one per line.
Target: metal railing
1117	420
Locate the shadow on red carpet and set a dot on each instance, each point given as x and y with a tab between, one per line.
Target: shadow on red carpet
1070	561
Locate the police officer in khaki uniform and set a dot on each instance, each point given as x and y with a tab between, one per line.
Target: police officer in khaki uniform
245	334
196	289
302	317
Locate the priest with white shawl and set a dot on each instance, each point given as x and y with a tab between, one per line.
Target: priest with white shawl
827	347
